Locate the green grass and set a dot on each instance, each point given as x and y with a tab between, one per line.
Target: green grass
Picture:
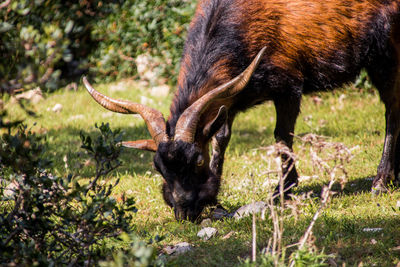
357	120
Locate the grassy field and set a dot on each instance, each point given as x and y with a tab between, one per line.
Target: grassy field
351	116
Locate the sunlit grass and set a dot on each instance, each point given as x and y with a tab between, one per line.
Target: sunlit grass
348	116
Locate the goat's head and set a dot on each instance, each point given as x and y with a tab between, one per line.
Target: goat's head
189	182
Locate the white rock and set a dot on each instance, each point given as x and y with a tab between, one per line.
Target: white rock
57	108
207	233
150	76
10	189
146	101
34	96
178	248
249	209
160	91
373	230
76	117
142	62
183	247
119	87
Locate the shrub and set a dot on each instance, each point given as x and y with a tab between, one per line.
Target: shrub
136	27
49	220
46	42
42	39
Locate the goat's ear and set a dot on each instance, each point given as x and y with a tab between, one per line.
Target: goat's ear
148	145
212	127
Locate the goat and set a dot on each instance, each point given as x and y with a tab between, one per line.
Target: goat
241	53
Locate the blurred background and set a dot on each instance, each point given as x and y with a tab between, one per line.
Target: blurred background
51	43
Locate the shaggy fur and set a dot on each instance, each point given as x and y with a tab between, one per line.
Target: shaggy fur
312	45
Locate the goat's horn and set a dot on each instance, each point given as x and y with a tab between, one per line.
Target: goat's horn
154	119
187	123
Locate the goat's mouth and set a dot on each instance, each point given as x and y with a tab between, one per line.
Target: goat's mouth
182	214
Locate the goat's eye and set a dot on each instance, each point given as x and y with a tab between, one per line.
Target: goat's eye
200	161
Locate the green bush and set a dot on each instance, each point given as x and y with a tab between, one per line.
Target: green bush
49	220
42	40
139	27
47	42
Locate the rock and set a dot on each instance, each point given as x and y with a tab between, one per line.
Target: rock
183	247
220	213
160	91
178	248
146	101
246	210
76	117
206	223
372	230
207	233
142	62
145	65
57	108
10	189
34	96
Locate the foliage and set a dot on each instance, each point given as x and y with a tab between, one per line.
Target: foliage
301	258
42	39
137	254
138	27
52	220
342	229
44	42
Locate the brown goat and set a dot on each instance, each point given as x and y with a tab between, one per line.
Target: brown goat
299	46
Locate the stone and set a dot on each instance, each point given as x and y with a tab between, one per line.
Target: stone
207	233
146	101
179	248
160	91
57	108
206	223
76	117
34	96
256	207
220	213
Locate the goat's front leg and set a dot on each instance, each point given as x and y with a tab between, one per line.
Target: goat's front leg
219	144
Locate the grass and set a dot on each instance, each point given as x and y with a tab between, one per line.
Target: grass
353	117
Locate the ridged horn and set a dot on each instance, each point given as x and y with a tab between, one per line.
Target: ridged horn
187	123
153	118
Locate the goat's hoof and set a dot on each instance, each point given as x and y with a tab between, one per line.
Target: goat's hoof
378	187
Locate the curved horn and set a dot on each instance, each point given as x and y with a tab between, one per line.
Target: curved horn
187	123
154	119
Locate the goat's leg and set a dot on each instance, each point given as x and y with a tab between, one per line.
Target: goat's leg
386	77
386	168
287	109
219	144
397	161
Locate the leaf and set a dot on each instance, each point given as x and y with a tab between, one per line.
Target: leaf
5	26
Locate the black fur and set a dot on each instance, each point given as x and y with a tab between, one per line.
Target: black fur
221	33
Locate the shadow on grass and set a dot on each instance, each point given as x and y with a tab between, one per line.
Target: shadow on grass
66	142
353	187
346	239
